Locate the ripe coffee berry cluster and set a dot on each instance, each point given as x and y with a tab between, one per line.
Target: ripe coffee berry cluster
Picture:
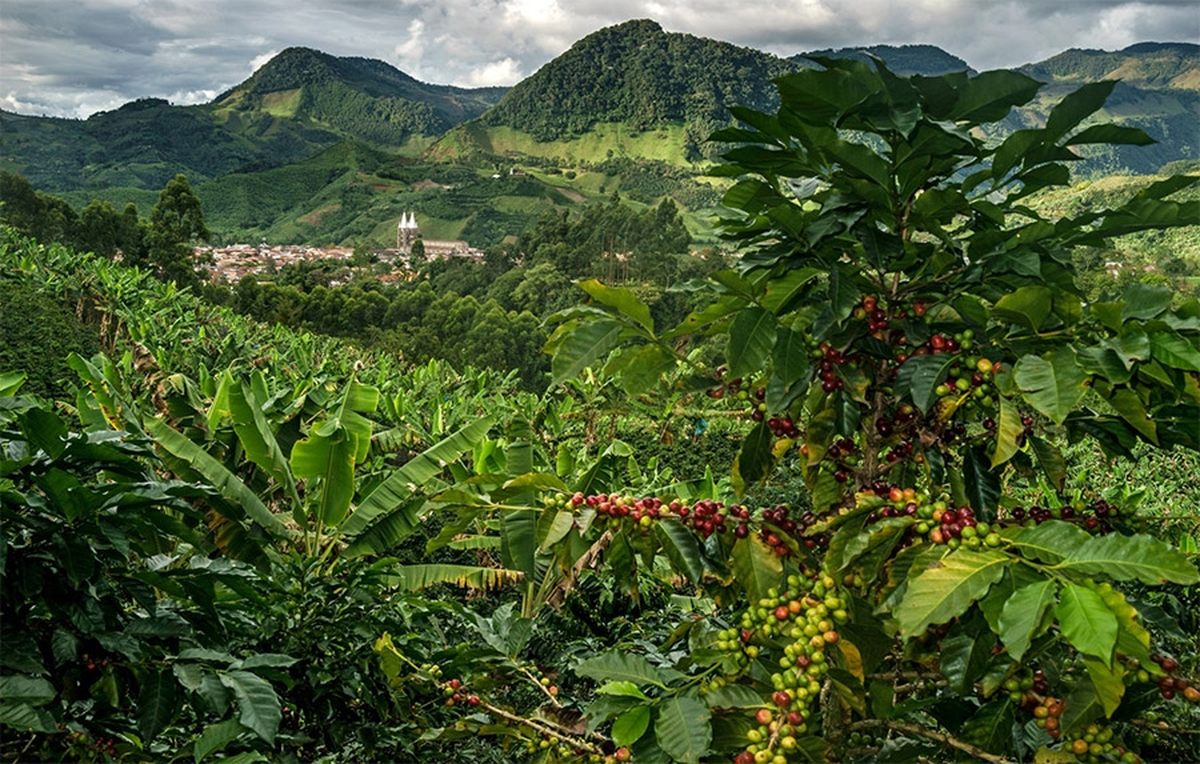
1170	686
776	520
1047	714
830	359
802	620
1097	517
781	426
706	516
455	692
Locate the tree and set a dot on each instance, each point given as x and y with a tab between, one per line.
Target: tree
908	335
99	229
175	224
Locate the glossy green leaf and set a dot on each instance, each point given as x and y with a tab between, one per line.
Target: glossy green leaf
1112	134
1053	384
1023	615
947	589
631	725
215	737
855	540
965	653
1028	306
258	705
622	688
1144	301
783	293
621	299
981	483
1174	350
681	547
583	344
1050	459
1130	558
618	666
919	377
158	699
1077	106
682	728
751	338
1108	681
26	718
645	368
560	526
790	361
1051	541
31	690
755	458
991	727
1086	622
1081	706
1008	432
733	696
989	96
1129	405
755	566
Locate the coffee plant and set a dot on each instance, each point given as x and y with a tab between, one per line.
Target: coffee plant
901	565
907	334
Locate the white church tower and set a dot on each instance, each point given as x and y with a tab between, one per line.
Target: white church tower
406	231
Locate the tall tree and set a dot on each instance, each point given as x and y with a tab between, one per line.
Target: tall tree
176	223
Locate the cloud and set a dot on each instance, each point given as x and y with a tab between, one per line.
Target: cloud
72	57
505	72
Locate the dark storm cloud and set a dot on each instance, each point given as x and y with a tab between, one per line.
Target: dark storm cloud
74	57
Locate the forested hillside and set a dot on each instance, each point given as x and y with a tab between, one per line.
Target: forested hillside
298	104
356	97
638	74
324	150
905	60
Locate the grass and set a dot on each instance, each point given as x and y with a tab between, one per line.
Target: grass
666	144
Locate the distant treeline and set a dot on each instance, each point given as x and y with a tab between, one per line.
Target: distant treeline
487	313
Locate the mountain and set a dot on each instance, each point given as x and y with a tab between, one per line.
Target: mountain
640	75
1148	66
1158	91
630	90
905	60
298	104
359	98
317	147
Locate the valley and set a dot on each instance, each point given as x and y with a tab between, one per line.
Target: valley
326	151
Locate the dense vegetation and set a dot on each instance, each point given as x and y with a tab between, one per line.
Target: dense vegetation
636	74
225	538
628	108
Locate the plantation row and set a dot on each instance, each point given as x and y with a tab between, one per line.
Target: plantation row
232	540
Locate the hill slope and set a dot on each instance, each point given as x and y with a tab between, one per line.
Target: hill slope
904	60
298	104
314	145
640	75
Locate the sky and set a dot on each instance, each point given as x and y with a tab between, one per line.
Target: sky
72	58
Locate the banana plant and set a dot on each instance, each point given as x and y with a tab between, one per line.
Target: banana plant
286	466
